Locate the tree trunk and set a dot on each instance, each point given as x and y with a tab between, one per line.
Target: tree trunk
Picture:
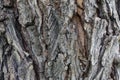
59	40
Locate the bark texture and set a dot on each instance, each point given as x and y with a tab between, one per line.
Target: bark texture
59	39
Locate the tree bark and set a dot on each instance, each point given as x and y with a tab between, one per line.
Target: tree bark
59	40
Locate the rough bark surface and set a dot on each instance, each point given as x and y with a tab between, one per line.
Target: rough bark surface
59	39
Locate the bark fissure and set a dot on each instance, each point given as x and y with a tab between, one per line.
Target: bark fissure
59	40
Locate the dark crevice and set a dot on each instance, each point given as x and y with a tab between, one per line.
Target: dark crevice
114	74
19	35
118	7
1	75
36	69
67	72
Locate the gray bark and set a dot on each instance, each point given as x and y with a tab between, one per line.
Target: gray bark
59	40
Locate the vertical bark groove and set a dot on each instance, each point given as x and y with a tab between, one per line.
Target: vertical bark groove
59	40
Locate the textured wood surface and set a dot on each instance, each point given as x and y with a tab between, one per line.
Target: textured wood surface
59	40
